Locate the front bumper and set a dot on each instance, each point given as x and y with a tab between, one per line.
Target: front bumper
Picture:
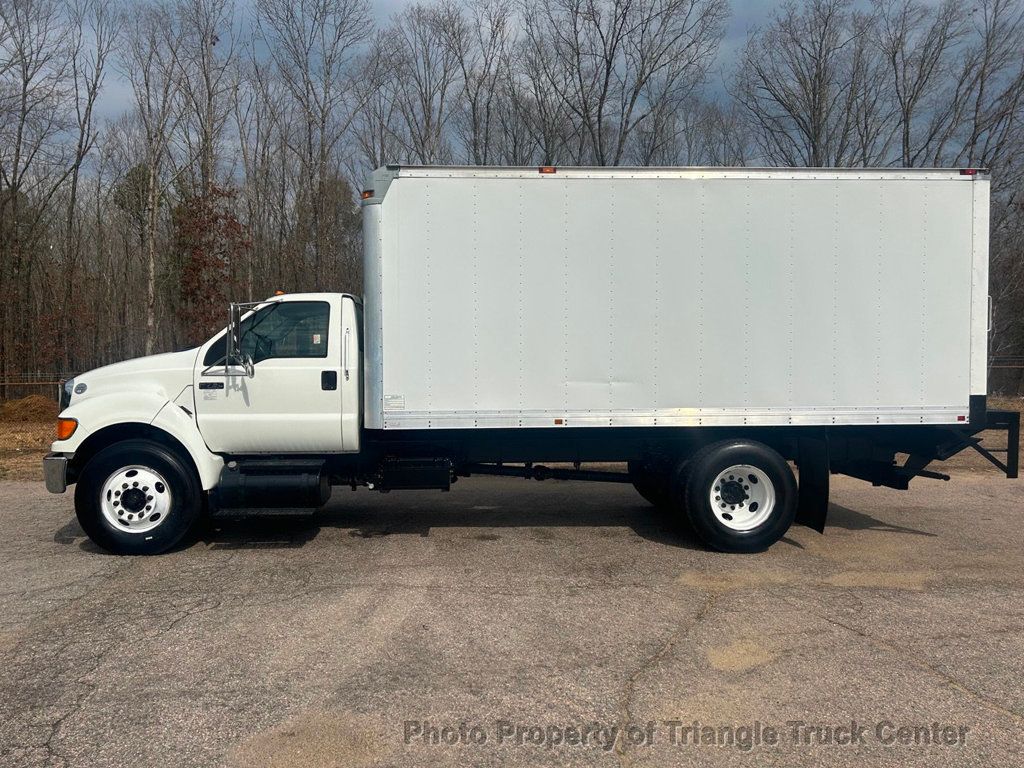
55	472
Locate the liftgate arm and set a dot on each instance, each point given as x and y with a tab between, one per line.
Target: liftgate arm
1002	421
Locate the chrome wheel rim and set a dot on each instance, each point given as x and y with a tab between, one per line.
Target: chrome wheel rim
135	499
742	497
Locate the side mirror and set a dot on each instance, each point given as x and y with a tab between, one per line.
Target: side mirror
235	355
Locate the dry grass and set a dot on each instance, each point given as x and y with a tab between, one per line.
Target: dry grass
26	431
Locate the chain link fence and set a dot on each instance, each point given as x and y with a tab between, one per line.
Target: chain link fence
17	385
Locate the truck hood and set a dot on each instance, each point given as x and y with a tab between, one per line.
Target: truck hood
165	375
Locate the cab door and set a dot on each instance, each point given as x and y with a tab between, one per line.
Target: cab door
293	401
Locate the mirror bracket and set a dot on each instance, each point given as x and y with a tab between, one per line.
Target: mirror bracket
235	355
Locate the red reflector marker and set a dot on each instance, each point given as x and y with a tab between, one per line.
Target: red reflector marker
968	171
961	418
547	169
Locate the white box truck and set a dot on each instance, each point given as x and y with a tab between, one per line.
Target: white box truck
706	327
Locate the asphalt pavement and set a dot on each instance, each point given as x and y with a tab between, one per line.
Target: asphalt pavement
518	623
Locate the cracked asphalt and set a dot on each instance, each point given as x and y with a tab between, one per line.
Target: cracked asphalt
528	619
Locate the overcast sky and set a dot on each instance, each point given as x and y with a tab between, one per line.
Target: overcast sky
746	15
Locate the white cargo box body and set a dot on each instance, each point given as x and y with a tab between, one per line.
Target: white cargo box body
507	298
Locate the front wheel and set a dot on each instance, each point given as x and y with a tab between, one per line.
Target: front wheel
739	495
137	497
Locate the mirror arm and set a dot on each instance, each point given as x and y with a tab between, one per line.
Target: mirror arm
233	342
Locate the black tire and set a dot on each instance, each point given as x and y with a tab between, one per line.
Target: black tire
655	486
185	498
694	482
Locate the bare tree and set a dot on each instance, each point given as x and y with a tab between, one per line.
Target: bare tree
376	131
983	122
547	113
150	63
917	42
700	132
424	79
480	39
255	111
206	60
615	63
34	157
317	49
811	86
94	27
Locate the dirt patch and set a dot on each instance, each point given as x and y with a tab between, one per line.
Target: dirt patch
727	581
739	656
912	580
322	739
28	409
26	431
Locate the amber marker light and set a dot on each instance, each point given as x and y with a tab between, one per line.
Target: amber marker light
66	428
367	194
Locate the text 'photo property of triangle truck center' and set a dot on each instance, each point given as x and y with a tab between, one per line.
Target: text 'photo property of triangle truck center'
696	332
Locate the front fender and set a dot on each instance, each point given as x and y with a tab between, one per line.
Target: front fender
97	413
182	426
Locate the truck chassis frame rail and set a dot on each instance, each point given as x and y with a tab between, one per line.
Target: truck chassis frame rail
532	471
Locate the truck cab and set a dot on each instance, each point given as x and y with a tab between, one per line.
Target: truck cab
146	439
300	393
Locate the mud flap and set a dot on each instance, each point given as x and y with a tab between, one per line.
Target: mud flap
813	461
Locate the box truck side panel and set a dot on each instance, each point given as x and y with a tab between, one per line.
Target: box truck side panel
781	309
634	299
671	293
530	351
499	321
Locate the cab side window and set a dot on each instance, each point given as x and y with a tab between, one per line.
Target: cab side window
284	329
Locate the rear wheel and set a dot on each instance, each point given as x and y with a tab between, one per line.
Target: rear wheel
739	495
137	497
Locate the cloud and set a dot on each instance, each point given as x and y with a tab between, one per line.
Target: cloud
746	16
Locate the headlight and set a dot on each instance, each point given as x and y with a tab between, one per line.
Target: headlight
65	393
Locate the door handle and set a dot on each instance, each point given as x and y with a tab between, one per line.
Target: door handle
328	380
344	353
